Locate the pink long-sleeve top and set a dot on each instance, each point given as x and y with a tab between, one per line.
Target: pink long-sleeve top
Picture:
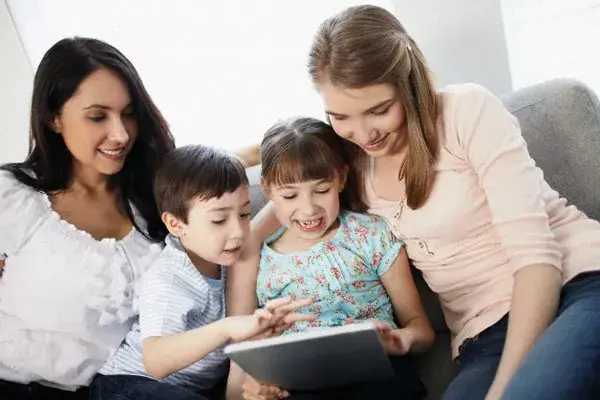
490	214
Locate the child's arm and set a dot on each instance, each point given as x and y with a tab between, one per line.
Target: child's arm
416	334
164	355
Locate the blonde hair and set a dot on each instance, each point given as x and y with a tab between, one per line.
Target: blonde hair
367	45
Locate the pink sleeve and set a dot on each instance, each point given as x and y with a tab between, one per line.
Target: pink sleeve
491	140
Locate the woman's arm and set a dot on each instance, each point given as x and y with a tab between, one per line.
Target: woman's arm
416	332
534	305
250	155
21	214
494	146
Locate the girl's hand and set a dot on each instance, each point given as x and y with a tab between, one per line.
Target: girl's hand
395	341
253	390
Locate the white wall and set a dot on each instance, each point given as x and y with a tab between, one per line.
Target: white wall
463	40
16	79
223	71
553	38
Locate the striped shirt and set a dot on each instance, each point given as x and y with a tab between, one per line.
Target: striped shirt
175	297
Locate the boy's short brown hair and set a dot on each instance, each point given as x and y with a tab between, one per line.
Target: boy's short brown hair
195	172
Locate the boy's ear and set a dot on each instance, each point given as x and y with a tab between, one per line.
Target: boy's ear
265	188
175	226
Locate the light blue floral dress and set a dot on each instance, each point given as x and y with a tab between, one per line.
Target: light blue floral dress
342	274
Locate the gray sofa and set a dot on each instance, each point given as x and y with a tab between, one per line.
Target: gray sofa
560	120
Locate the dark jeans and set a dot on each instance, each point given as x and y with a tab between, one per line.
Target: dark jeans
405	385
35	391
131	387
564	363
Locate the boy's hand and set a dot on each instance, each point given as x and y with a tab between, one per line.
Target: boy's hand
394	340
273	319
242	327
253	390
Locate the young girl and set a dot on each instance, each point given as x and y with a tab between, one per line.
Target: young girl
348	263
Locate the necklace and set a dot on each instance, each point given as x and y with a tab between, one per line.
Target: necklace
397	215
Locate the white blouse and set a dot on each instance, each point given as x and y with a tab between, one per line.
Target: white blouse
67	300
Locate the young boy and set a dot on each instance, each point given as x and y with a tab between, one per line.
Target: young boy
174	352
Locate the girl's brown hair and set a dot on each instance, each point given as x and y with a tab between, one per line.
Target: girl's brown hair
307	149
366	45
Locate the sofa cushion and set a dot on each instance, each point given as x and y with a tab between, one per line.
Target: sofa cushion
560	121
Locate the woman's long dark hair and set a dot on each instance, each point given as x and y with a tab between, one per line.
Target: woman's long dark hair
48	166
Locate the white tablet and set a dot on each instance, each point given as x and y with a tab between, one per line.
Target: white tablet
316	359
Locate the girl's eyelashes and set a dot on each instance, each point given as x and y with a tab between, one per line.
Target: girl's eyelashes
317	191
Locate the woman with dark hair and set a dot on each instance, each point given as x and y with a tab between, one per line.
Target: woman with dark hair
78	220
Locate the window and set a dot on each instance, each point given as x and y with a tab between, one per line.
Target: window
549	39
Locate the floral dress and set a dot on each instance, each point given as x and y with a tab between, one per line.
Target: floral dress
342	274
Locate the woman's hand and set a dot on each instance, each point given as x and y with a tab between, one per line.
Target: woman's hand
249	155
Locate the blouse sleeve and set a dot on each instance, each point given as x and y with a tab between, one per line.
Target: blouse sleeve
491	141
373	236
21	212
